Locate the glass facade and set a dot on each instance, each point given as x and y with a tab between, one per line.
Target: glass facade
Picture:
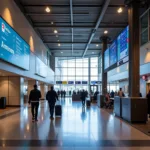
76	69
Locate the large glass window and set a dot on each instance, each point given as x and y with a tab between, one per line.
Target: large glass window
76	69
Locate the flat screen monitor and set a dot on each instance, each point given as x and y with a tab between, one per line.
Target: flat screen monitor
13	47
106	59
113	53
123	43
70	82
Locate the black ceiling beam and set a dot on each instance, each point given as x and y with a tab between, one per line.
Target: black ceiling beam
74	5
98	22
88	27
56	14
51	42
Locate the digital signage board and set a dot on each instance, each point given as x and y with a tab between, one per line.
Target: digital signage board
123	44
113	53
78	82
84	82
70	82
13	48
106	59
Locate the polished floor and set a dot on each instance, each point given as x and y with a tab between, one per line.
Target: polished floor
79	128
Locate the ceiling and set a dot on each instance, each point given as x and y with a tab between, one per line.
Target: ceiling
80	24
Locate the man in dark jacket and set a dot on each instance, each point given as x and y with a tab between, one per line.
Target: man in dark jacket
34	99
51	96
83	97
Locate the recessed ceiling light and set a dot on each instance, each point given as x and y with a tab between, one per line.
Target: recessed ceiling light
47	9
97	45
52	22
59	44
55	31
120	10
105	32
61	52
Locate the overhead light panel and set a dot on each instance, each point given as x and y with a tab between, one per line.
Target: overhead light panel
97	45
61	52
59	44
105	32
47	9
52	22
55	31
120	10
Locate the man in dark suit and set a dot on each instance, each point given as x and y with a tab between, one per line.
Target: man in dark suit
34	99
51	96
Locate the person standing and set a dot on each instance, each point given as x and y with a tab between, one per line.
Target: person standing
148	101
51	97
83	97
34	99
112	94
120	93
64	94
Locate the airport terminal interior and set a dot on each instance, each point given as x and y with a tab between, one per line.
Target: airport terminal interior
95	54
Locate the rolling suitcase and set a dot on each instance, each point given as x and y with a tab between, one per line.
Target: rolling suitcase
88	103
58	110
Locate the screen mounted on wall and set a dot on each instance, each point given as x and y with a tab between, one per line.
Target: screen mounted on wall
113	53
123	43
106	59
13	47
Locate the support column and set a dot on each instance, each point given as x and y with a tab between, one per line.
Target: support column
89	75
104	40
134	47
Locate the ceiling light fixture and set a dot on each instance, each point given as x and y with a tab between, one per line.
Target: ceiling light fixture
52	22
92	52
120	10
97	45
55	31
105	32
59	44
47	9
61	52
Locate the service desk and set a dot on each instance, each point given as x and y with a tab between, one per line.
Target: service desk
76	97
134	109
118	106
100	100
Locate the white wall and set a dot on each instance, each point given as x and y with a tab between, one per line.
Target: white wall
12	14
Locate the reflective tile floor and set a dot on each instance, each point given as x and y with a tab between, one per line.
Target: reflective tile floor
79	128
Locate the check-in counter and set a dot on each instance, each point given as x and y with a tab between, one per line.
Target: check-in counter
100	100
76	97
118	106
134	109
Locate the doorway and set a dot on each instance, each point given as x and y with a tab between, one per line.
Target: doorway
147	88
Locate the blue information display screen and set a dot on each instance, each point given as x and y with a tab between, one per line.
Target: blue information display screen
106	59
113	53
13	48
78	82
70	82
123	43
84	82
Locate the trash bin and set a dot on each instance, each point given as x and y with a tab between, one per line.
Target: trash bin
3	102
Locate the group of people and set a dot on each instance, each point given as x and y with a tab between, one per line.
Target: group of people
61	93
34	99
108	101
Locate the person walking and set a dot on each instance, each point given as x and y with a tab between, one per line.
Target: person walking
148	101
64	94
34	99
51	97
83	97
61	93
